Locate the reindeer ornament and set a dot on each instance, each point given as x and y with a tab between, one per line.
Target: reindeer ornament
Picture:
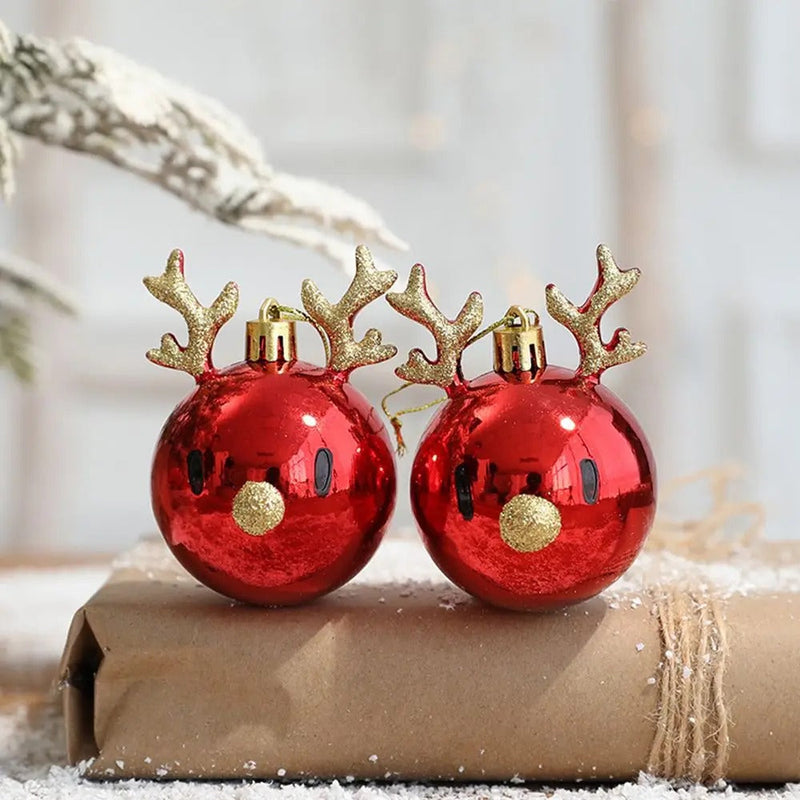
274	480
533	486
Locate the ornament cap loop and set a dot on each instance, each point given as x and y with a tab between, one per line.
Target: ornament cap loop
519	345
272	337
269	311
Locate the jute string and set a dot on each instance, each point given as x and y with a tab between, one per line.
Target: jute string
692	737
712	535
693	723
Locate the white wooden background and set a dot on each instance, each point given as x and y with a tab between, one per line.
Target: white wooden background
503	140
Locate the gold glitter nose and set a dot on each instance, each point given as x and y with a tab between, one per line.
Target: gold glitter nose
258	507
529	523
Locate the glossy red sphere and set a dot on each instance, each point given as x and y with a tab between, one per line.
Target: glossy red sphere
304	431
565	439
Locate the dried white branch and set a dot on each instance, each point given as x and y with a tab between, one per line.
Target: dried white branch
83	97
8	154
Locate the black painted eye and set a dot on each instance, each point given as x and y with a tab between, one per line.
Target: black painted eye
590	479
533	480
273	476
323	471
194	466
464	491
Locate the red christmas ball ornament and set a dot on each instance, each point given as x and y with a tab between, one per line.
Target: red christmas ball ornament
274	480
534	486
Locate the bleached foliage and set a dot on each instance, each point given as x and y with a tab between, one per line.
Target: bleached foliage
77	95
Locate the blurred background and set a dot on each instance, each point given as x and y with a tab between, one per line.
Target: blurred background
503	141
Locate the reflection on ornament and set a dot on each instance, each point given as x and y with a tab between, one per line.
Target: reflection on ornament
533	486
274	480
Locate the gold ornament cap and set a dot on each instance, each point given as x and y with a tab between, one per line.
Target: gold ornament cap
271	337
519	346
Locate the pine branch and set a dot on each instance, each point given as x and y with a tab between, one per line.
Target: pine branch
15	344
32	282
22	283
86	98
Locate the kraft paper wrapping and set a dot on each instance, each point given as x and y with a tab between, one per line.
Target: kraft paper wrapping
412	680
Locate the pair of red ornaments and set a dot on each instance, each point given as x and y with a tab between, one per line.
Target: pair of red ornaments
274	481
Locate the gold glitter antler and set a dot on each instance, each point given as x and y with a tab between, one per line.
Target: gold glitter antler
203	323
336	319
451	335
584	322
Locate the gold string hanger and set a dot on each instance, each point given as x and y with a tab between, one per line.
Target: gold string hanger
394	418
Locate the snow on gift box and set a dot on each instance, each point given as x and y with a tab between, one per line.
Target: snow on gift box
683	668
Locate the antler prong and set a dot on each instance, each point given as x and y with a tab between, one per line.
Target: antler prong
336	319
451	336
202	323
584	322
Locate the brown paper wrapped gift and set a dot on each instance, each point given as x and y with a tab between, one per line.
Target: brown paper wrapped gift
400	676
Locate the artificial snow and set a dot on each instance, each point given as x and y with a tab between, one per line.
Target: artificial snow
35	610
